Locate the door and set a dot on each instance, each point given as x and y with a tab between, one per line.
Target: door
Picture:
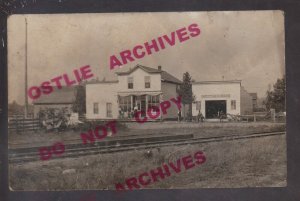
143	105
213	108
139	102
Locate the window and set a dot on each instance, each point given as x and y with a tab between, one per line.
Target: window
130	82
96	108
153	101
125	104
198	105
233	104
108	110
147	81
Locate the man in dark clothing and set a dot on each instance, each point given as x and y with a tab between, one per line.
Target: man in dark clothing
221	116
179	115
200	117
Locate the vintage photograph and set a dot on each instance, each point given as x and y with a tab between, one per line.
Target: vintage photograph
162	100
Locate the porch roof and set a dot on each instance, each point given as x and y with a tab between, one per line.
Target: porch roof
139	93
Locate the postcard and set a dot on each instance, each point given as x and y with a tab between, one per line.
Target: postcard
162	100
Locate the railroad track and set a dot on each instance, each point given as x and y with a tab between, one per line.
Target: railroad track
76	150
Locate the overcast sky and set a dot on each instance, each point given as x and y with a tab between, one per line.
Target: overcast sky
242	45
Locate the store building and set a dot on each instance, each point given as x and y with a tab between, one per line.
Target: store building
215	97
136	89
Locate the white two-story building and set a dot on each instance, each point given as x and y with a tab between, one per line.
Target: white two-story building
139	88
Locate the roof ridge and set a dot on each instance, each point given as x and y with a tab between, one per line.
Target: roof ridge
164	74
145	68
217	81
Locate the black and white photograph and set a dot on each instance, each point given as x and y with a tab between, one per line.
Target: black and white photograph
149	100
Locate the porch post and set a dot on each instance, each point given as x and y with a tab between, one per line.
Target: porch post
146	104
160	100
131	97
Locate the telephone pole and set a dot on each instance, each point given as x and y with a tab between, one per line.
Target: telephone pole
26	97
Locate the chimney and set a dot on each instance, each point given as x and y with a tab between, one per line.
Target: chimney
159	68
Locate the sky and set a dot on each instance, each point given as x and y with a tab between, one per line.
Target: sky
243	45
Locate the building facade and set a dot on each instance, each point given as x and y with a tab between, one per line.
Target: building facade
134	90
215	97
59	98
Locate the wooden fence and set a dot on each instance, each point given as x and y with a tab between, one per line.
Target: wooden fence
262	116
21	124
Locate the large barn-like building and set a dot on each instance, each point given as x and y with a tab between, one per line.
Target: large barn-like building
59	98
215	97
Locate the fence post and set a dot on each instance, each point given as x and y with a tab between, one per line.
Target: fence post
254	118
39	122
16	120
273	115
33	123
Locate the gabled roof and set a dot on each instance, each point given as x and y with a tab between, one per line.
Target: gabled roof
145	68
165	77
65	95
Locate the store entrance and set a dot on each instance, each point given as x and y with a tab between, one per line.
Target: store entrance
139	103
214	108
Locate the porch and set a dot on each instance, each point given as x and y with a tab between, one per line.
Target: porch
131	102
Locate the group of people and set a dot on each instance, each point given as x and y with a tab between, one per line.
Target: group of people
128	114
200	117
125	114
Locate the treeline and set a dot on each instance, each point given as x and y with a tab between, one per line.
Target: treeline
16	109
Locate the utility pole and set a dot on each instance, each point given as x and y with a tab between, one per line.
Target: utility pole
26	97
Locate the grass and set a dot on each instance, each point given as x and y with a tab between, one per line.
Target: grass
259	162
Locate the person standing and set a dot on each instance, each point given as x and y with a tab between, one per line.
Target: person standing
179	115
200	117
135	109
221	116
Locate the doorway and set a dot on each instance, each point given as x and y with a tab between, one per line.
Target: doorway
214	107
140	102
143	105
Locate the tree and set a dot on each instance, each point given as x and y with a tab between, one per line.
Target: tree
79	103
15	109
186	93
276	97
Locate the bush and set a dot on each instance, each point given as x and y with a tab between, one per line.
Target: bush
54	118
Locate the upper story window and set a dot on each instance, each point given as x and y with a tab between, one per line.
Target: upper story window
147	82
130	82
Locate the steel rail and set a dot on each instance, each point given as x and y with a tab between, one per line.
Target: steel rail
84	150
